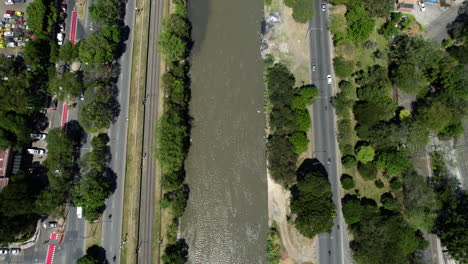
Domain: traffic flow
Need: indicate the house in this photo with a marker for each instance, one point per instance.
(5, 166)
(407, 6)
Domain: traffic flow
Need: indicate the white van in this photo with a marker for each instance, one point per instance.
(79, 212)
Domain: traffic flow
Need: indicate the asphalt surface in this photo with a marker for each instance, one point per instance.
(112, 217)
(150, 101)
(333, 247)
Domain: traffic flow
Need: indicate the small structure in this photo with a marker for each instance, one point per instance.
(407, 6)
(5, 165)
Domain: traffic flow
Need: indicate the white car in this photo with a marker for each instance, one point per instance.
(50, 224)
(329, 79)
(314, 68)
(324, 7)
(38, 136)
(36, 151)
(3, 251)
(15, 251)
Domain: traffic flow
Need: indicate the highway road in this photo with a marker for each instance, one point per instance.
(112, 217)
(148, 177)
(334, 246)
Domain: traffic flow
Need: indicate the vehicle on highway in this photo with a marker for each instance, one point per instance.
(314, 68)
(79, 212)
(38, 136)
(15, 251)
(324, 7)
(329, 79)
(36, 151)
(3, 251)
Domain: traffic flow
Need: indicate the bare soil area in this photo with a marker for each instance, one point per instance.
(295, 247)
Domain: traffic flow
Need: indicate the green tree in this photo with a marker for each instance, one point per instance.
(97, 49)
(304, 96)
(347, 182)
(360, 24)
(69, 52)
(365, 154)
(37, 11)
(343, 68)
(176, 253)
(369, 113)
(368, 171)
(281, 160)
(389, 202)
(408, 77)
(349, 162)
(395, 184)
(91, 193)
(97, 112)
(86, 259)
(300, 142)
(303, 10)
(172, 47)
(273, 245)
(65, 85)
(393, 161)
(106, 12)
(312, 204)
(303, 120)
(379, 8)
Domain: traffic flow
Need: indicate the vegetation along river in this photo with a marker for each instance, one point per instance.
(226, 217)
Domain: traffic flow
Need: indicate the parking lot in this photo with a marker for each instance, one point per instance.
(13, 26)
(435, 19)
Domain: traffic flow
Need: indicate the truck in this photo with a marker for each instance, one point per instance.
(79, 212)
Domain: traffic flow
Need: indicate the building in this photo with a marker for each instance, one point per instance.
(5, 166)
(407, 5)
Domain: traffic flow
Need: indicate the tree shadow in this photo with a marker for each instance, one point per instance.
(111, 177)
(311, 165)
(98, 253)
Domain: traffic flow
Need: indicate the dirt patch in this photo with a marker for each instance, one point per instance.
(287, 41)
(295, 247)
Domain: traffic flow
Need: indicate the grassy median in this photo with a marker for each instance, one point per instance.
(135, 134)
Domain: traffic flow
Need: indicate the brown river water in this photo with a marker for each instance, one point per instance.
(226, 217)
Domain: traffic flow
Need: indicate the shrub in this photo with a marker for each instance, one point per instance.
(395, 184)
(365, 154)
(347, 182)
(379, 184)
(343, 68)
(389, 203)
(349, 161)
(299, 141)
(368, 171)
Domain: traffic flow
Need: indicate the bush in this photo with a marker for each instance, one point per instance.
(393, 161)
(379, 184)
(349, 161)
(303, 120)
(389, 203)
(368, 171)
(343, 69)
(347, 89)
(347, 182)
(395, 184)
(299, 141)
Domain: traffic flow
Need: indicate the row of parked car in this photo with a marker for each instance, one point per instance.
(14, 251)
(63, 15)
(37, 151)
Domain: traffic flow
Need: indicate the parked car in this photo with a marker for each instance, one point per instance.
(52, 224)
(36, 151)
(64, 8)
(19, 13)
(329, 79)
(38, 136)
(3, 251)
(314, 68)
(9, 2)
(15, 251)
(324, 7)
(10, 12)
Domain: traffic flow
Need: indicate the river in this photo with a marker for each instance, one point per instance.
(226, 217)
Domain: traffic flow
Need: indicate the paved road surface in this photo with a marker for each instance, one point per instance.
(331, 245)
(112, 230)
(148, 177)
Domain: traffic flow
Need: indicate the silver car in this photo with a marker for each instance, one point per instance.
(329, 79)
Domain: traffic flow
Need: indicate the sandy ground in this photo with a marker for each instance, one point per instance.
(298, 249)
